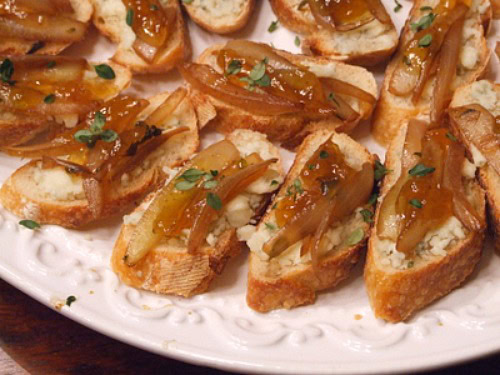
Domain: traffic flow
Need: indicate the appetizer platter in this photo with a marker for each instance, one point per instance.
(202, 179)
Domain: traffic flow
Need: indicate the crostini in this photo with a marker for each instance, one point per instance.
(442, 47)
(220, 16)
(429, 224)
(285, 96)
(103, 165)
(316, 228)
(45, 92)
(150, 34)
(180, 238)
(44, 27)
(359, 32)
(475, 119)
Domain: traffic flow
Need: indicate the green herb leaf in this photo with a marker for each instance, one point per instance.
(130, 17)
(51, 64)
(373, 199)
(6, 71)
(355, 237)
(323, 154)
(214, 172)
(367, 215)
(49, 99)
(234, 67)
(274, 182)
(187, 1)
(302, 4)
(423, 23)
(380, 170)
(153, 7)
(297, 41)
(214, 201)
(108, 135)
(298, 186)
(184, 185)
(264, 81)
(210, 184)
(270, 226)
(425, 41)
(30, 224)
(398, 6)
(84, 136)
(70, 300)
(99, 121)
(421, 170)
(410, 264)
(416, 203)
(104, 71)
(258, 71)
(451, 137)
(311, 167)
(425, 8)
(192, 175)
(273, 26)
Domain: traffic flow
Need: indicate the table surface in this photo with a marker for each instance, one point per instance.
(37, 340)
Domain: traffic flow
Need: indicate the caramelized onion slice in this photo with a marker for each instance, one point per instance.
(344, 88)
(51, 69)
(169, 203)
(386, 225)
(478, 126)
(354, 193)
(163, 112)
(379, 11)
(208, 81)
(448, 58)
(258, 52)
(327, 17)
(145, 50)
(226, 190)
(51, 29)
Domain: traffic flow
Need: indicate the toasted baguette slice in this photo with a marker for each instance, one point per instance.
(53, 196)
(290, 128)
(392, 112)
(169, 268)
(289, 280)
(397, 287)
(487, 94)
(17, 128)
(82, 12)
(367, 45)
(110, 17)
(220, 16)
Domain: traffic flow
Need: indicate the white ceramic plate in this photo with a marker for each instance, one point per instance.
(338, 334)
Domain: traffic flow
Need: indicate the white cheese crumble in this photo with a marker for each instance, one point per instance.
(477, 157)
(58, 184)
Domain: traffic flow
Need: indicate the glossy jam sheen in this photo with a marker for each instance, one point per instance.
(38, 7)
(344, 12)
(149, 21)
(294, 84)
(324, 172)
(437, 201)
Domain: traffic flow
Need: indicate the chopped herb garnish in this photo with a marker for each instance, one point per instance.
(51, 64)
(214, 172)
(355, 237)
(153, 7)
(210, 184)
(302, 4)
(425, 8)
(311, 167)
(451, 137)
(410, 264)
(423, 23)
(425, 41)
(95, 132)
(398, 6)
(187, 1)
(192, 175)
(273, 26)
(274, 182)
(234, 67)
(214, 201)
(416, 203)
(70, 300)
(373, 199)
(257, 76)
(6, 71)
(49, 99)
(323, 154)
(380, 170)
(298, 186)
(421, 170)
(184, 185)
(130, 17)
(297, 41)
(367, 215)
(331, 97)
(294, 189)
(30, 224)
(270, 226)
(104, 71)
(274, 206)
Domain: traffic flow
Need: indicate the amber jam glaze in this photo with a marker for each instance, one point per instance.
(344, 12)
(435, 199)
(322, 175)
(194, 198)
(38, 7)
(297, 85)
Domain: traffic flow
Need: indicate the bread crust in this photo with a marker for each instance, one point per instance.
(297, 285)
(395, 295)
(83, 13)
(19, 194)
(392, 112)
(205, 19)
(290, 128)
(318, 41)
(177, 49)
